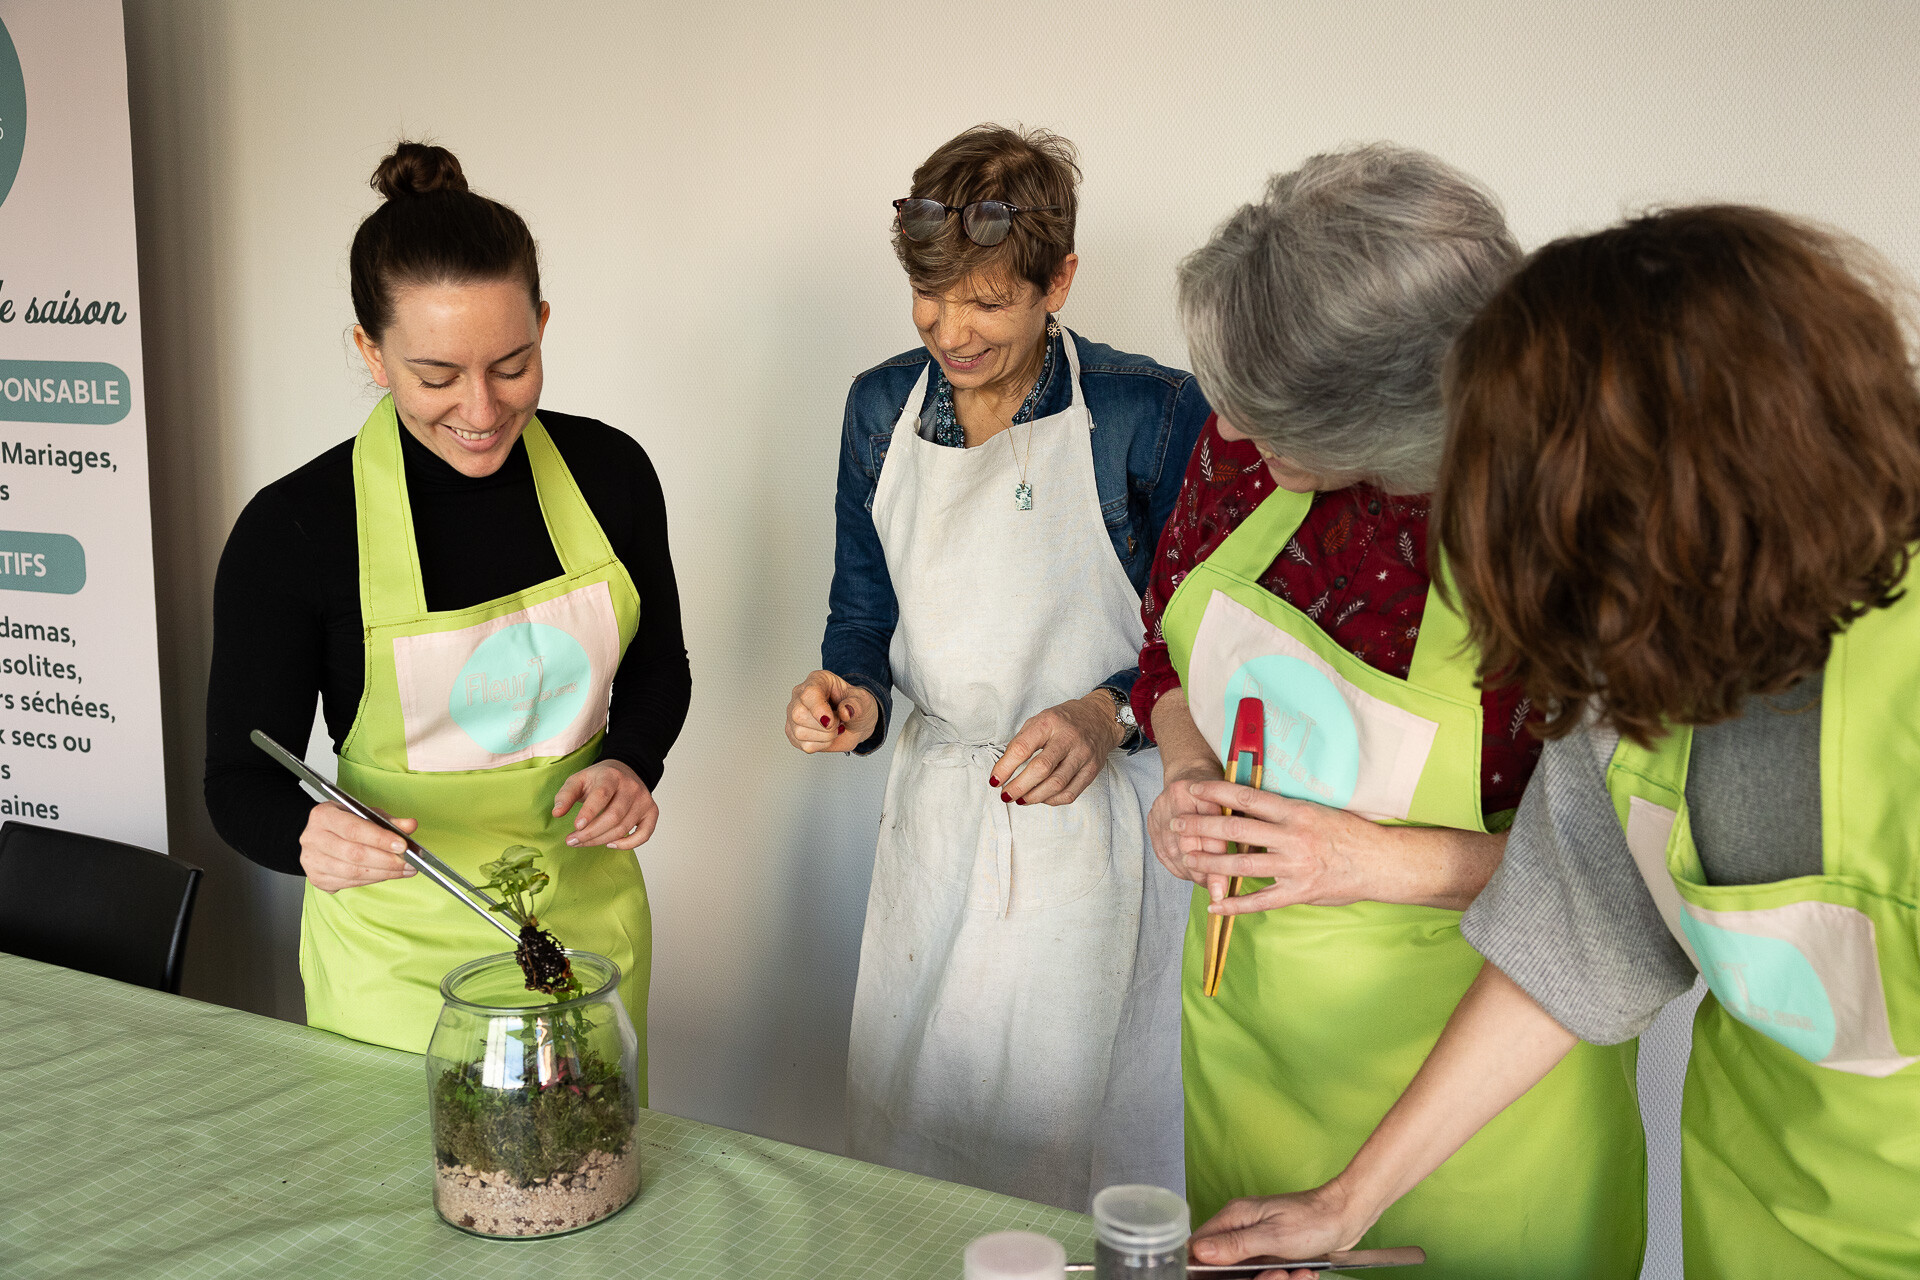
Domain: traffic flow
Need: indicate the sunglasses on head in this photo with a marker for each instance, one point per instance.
(985, 222)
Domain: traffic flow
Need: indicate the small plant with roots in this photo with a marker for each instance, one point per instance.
(515, 879)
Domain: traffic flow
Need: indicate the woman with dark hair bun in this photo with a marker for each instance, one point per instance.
(1681, 498)
(481, 597)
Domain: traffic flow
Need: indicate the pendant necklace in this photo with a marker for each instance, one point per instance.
(1023, 492)
(948, 431)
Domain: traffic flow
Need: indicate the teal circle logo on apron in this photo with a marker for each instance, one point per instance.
(1767, 983)
(1312, 746)
(521, 686)
(13, 113)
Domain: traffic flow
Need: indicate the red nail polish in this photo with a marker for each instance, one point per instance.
(993, 782)
(1019, 801)
(825, 723)
(1005, 798)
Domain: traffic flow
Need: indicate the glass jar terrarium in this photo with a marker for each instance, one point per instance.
(534, 1101)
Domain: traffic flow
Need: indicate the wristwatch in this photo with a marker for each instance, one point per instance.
(1130, 735)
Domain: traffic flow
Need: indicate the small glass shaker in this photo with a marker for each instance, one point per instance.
(1016, 1255)
(1140, 1233)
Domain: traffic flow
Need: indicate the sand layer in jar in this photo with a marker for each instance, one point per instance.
(492, 1204)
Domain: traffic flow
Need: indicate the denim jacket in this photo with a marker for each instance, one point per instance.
(1146, 419)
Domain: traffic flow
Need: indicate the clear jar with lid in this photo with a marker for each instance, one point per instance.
(1140, 1233)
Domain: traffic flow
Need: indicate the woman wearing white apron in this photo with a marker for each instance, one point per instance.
(988, 570)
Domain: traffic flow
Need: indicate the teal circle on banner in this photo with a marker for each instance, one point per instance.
(523, 684)
(1767, 983)
(1312, 747)
(13, 113)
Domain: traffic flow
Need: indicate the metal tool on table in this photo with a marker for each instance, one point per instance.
(427, 864)
(1338, 1260)
(1244, 759)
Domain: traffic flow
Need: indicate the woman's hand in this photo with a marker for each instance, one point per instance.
(1187, 758)
(1305, 1224)
(1497, 1045)
(616, 808)
(1329, 857)
(827, 713)
(1312, 853)
(341, 851)
(1062, 748)
(1177, 800)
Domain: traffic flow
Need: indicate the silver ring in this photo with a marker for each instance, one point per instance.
(634, 829)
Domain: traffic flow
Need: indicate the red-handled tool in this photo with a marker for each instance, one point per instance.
(1243, 766)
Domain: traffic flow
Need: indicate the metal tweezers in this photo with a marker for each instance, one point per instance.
(430, 866)
(1343, 1259)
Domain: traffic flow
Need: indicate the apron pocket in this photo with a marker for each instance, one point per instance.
(950, 828)
(1060, 852)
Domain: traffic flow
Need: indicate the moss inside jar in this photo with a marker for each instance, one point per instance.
(532, 1078)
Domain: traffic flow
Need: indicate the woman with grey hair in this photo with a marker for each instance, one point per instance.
(1295, 632)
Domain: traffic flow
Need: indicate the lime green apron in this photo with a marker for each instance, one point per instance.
(1324, 1014)
(1800, 1123)
(470, 723)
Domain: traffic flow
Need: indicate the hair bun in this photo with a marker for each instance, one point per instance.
(415, 168)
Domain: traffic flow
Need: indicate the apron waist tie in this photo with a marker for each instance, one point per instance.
(999, 818)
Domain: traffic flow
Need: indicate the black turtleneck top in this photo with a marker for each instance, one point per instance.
(286, 609)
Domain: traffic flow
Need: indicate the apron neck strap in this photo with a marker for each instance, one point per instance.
(578, 540)
(916, 400)
(389, 558)
(1072, 346)
(391, 587)
(1442, 660)
(1250, 549)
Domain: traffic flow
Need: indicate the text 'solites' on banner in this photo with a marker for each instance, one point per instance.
(79, 677)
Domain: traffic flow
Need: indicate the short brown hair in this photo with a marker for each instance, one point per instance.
(1684, 453)
(1028, 168)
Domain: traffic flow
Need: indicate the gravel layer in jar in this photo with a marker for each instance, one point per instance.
(492, 1203)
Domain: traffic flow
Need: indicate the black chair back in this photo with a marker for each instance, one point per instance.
(96, 905)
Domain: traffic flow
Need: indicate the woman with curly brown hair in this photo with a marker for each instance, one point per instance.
(1681, 497)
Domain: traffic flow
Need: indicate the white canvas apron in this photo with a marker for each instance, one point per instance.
(1001, 940)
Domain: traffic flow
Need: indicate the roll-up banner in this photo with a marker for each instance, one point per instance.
(79, 672)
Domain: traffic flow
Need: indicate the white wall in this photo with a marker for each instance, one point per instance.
(710, 184)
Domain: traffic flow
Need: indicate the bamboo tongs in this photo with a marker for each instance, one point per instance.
(429, 866)
(1249, 744)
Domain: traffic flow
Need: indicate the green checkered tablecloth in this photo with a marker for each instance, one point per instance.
(144, 1135)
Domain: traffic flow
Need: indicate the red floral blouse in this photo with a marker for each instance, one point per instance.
(1357, 566)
